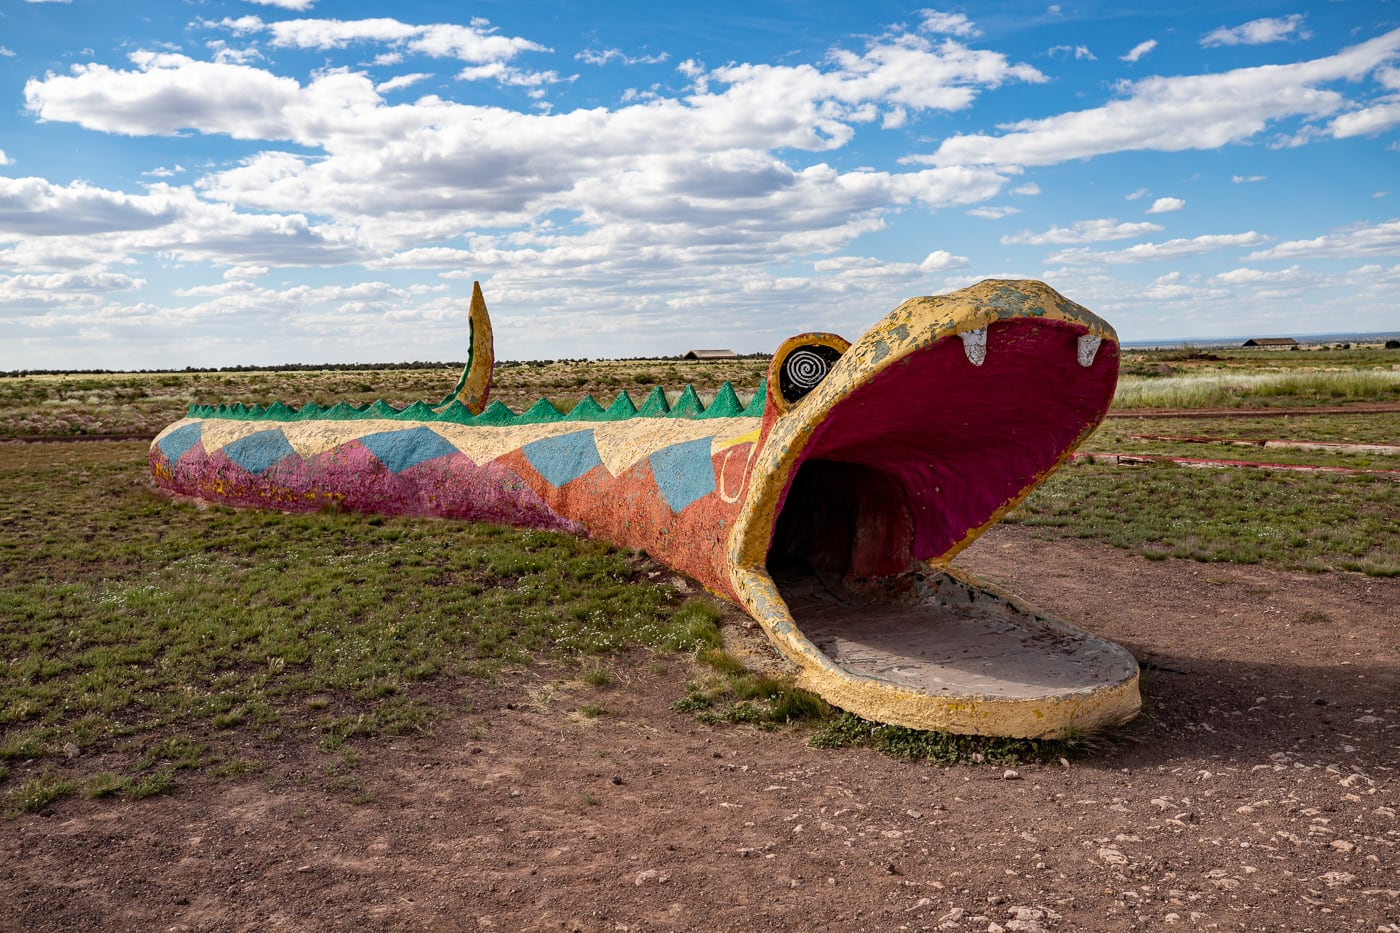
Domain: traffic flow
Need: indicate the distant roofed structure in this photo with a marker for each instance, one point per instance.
(710, 355)
(1271, 342)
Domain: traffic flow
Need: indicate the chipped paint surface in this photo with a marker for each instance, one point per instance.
(869, 465)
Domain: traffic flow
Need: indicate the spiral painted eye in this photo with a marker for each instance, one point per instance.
(804, 368)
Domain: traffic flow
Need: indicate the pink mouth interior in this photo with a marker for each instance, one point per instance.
(933, 447)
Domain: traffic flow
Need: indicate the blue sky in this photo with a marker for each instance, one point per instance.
(214, 182)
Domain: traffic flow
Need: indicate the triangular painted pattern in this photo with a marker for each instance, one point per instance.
(178, 442)
(400, 449)
(260, 452)
(684, 472)
(564, 458)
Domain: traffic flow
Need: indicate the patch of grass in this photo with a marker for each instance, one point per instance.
(1238, 389)
(104, 784)
(159, 784)
(728, 691)
(597, 675)
(1372, 427)
(848, 730)
(38, 792)
(1303, 521)
(169, 633)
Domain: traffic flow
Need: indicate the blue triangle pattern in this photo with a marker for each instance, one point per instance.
(684, 472)
(563, 458)
(399, 450)
(178, 442)
(260, 452)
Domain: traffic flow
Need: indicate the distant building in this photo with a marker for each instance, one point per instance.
(1271, 342)
(710, 355)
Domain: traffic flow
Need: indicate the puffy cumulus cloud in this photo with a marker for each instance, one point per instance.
(77, 225)
(951, 24)
(1166, 206)
(1084, 231)
(458, 167)
(167, 93)
(1172, 114)
(1354, 242)
(1368, 120)
(1158, 252)
(37, 207)
(477, 42)
(64, 287)
(1274, 284)
(496, 162)
(1259, 32)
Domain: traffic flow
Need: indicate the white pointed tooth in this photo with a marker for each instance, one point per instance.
(1088, 348)
(975, 345)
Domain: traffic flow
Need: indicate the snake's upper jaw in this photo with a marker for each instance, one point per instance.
(938, 420)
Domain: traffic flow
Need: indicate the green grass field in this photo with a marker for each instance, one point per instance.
(148, 638)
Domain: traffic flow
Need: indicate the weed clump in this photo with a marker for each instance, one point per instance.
(848, 730)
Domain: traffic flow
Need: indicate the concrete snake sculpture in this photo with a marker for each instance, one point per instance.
(828, 507)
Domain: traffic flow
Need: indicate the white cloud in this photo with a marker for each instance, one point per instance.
(62, 226)
(605, 56)
(169, 93)
(1368, 121)
(1137, 195)
(1079, 52)
(951, 24)
(297, 5)
(399, 82)
(1360, 241)
(1138, 51)
(439, 40)
(941, 260)
(1159, 252)
(35, 207)
(23, 288)
(1166, 205)
(1259, 32)
(1276, 280)
(1084, 231)
(1172, 114)
(6, 53)
(1246, 179)
(993, 213)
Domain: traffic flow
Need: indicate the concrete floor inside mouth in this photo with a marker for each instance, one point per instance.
(918, 639)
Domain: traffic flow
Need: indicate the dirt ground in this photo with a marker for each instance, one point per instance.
(1259, 791)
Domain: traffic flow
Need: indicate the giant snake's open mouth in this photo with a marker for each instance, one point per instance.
(923, 434)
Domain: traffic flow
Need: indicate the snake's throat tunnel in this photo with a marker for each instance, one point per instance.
(903, 468)
(933, 449)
